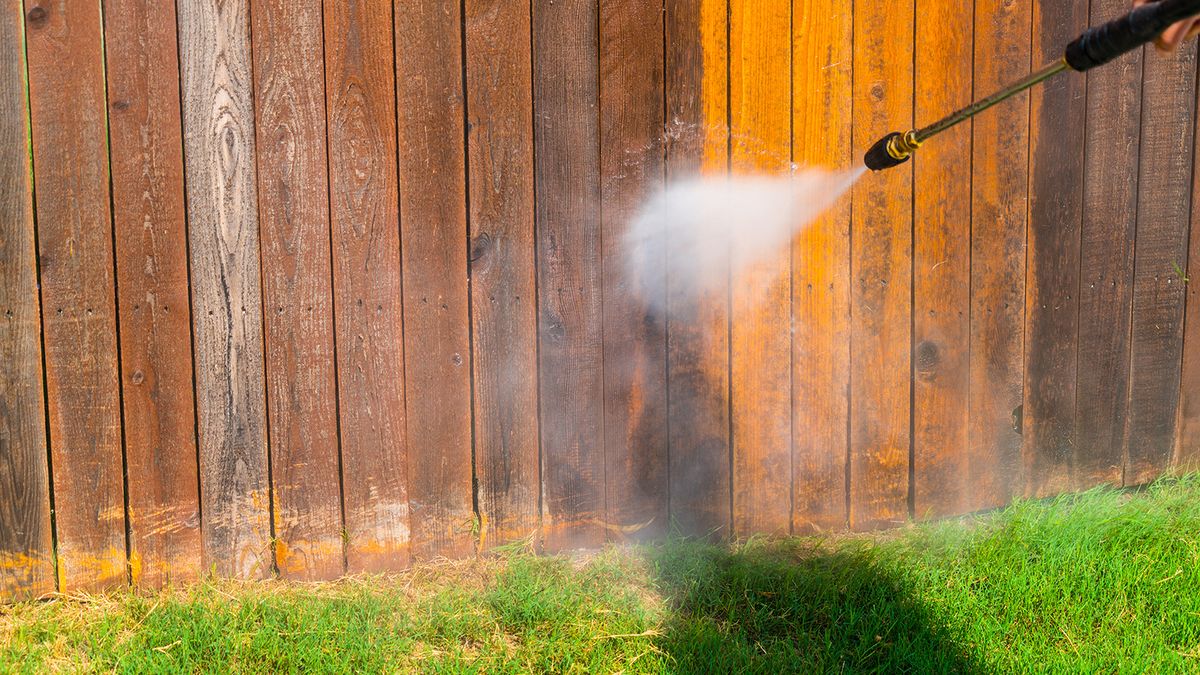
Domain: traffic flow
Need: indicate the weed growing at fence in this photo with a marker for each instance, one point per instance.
(1096, 582)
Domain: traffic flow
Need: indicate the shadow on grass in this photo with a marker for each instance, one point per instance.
(792, 607)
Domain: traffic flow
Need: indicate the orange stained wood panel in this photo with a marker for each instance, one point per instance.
(881, 271)
(999, 184)
(223, 228)
(502, 265)
(822, 58)
(293, 208)
(360, 108)
(635, 338)
(150, 217)
(433, 222)
(79, 320)
(697, 136)
(26, 541)
(941, 268)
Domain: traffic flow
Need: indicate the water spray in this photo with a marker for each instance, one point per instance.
(1095, 47)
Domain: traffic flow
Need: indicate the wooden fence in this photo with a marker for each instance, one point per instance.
(309, 288)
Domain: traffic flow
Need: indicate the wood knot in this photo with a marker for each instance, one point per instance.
(877, 91)
(480, 246)
(457, 359)
(37, 17)
(138, 377)
(927, 357)
(120, 105)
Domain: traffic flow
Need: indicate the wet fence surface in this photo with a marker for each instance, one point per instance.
(304, 288)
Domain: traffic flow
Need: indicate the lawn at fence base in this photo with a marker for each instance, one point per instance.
(1086, 583)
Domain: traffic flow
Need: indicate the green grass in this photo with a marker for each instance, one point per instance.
(1100, 582)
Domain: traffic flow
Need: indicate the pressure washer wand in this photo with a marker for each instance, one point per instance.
(1096, 47)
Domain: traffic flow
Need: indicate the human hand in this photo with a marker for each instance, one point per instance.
(1172, 37)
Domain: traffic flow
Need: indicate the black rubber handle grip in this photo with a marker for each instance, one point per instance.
(1097, 46)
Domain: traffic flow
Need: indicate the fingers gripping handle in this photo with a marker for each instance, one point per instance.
(1101, 44)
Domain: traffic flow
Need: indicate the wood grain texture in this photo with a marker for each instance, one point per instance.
(697, 90)
(1163, 217)
(881, 272)
(26, 542)
(570, 322)
(1187, 436)
(1114, 117)
(149, 214)
(942, 262)
(503, 276)
(760, 338)
(822, 57)
(1056, 138)
(79, 323)
(218, 127)
(999, 185)
(361, 112)
(635, 339)
(293, 210)
(433, 221)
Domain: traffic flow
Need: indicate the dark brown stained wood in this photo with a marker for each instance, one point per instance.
(1187, 435)
(760, 336)
(822, 58)
(942, 262)
(293, 209)
(218, 128)
(881, 271)
(1114, 117)
(999, 184)
(567, 179)
(79, 323)
(149, 215)
(433, 221)
(1056, 138)
(1164, 210)
(26, 545)
(698, 327)
(503, 278)
(361, 112)
(635, 345)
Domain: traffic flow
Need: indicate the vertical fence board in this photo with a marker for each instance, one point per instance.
(1056, 138)
(26, 546)
(822, 34)
(698, 327)
(760, 338)
(293, 209)
(429, 91)
(1187, 434)
(635, 347)
(70, 159)
(942, 262)
(881, 272)
(566, 169)
(218, 125)
(1164, 207)
(999, 185)
(152, 280)
(361, 114)
(503, 277)
(1106, 261)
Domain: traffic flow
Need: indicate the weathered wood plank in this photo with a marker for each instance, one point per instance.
(942, 262)
(79, 323)
(881, 272)
(760, 338)
(1187, 436)
(503, 276)
(150, 218)
(999, 186)
(1163, 218)
(635, 345)
(361, 112)
(567, 179)
(1114, 118)
(218, 128)
(822, 35)
(697, 91)
(293, 210)
(26, 542)
(1056, 149)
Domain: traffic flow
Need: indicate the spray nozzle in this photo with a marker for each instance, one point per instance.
(891, 150)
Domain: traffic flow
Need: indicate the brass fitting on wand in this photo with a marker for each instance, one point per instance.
(902, 146)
